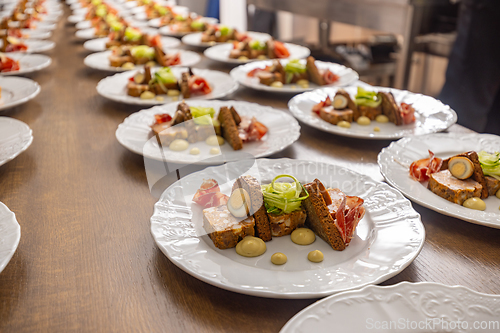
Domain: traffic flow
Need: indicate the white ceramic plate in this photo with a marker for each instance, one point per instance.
(35, 34)
(10, 234)
(194, 39)
(41, 26)
(99, 44)
(100, 60)
(384, 242)
(346, 76)
(221, 53)
(431, 115)
(114, 87)
(28, 63)
(405, 307)
(86, 34)
(444, 145)
(135, 134)
(169, 30)
(85, 24)
(17, 90)
(76, 18)
(15, 137)
(36, 45)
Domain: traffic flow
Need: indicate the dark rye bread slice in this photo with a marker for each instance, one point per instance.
(252, 186)
(492, 184)
(478, 174)
(390, 108)
(319, 218)
(229, 128)
(314, 74)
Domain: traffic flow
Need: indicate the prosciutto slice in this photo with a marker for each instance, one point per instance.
(346, 211)
(209, 194)
(421, 170)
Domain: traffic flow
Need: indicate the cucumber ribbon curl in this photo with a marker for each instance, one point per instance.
(283, 198)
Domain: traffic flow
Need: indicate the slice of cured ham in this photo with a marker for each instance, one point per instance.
(209, 194)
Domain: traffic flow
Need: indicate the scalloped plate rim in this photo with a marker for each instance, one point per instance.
(289, 326)
(294, 295)
(425, 203)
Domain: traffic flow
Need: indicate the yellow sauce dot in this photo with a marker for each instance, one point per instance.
(262, 57)
(194, 151)
(303, 83)
(344, 124)
(179, 145)
(243, 58)
(498, 194)
(214, 151)
(315, 256)
(363, 121)
(376, 129)
(160, 98)
(277, 84)
(278, 258)
(475, 203)
(214, 140)
(303, 236)
(173, 92)
(251, 247)
(382, 118)
(147, 95)
(128, 65)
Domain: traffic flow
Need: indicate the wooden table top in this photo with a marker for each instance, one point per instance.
(87, 262)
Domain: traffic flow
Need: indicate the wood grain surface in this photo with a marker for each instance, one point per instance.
(87, 262)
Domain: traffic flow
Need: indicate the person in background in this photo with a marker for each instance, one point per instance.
(213, 9)
(472, 86)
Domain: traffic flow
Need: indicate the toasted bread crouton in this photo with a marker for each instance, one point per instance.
(252, 186)
(229, 128)
(314, 74)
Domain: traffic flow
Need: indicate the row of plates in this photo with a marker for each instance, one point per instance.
(15, 135)
(385, 243)
(36, 42)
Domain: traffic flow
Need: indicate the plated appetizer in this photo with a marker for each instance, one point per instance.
(124, 35)
(383, 243)
(255, 49)
(293, 72)
(129, 56)
(464, 179)
(263, 131)
(364, 108)
(411, 155)
(275, 210)
(223, 34)
(360, 111)
(16, 33)
(191, 124)
(12, 44)
(22, 63)
(8, 64)
(187, 24)
(147, 85)
(154, 10)
(167, 84)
